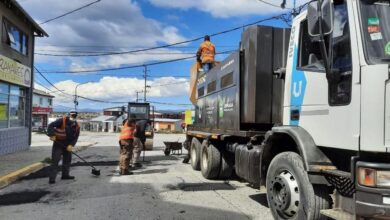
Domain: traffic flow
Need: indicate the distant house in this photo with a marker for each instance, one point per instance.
(167, 124)
(42, 108)
(110, 121)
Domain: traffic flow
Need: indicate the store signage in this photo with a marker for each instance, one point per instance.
(14, 72)
(42, 110)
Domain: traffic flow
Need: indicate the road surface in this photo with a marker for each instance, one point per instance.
(164, 188)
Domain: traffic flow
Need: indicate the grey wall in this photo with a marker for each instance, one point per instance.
(13, 140)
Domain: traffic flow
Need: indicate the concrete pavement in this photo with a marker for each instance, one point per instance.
(164, 188)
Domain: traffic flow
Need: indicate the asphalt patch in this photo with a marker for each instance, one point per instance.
(96, 163)
(42, 173)
(23, 197)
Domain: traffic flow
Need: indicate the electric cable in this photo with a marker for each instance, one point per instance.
(173, 44)
(70, 12)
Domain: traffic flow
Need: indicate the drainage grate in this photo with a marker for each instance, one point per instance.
(16, 198)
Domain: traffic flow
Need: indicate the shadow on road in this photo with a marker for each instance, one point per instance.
(200, 186)
(260, 198)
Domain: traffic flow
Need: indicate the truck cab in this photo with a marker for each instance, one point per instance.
(340, 95)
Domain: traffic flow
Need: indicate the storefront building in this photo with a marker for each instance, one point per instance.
(42, 108)
(18, 31)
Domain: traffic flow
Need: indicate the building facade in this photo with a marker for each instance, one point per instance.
(42, 107)
(18, 31)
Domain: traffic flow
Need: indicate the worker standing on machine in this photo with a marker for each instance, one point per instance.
(126, 139)
(139, 141)
(64, 132)
(206, 53)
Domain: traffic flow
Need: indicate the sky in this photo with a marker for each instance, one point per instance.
(125, 25)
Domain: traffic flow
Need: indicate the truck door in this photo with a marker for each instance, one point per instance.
(375, 106)
(328, 110)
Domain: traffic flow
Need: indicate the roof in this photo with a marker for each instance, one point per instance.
(14, 4)
(167, 120)
(43, 93)
(103, 118)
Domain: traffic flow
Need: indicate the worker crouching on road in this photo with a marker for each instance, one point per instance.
(64, 132)
(206, 53)
(139, 141)
(126, 139)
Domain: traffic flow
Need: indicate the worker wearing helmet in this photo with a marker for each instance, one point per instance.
(206, 53)
(126, 139)
(64, 132)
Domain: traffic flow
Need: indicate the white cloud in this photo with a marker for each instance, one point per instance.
(119, 24)
(122, 88)
(226, 8)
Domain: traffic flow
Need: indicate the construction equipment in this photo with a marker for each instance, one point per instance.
(304, 112)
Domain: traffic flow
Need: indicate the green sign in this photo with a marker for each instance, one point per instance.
(387, 48)
(373, 21)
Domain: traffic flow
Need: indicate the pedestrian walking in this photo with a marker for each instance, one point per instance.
(126, 139)
(64, 132)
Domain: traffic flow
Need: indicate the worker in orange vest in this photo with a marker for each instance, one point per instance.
(64, 132)
(206, 53)
(126, 139)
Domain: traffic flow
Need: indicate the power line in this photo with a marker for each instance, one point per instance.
(174, 44)
(127, 67)
(166, 103)
(168, 84)
(70, 12)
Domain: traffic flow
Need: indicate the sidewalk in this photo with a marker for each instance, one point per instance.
(29, 161)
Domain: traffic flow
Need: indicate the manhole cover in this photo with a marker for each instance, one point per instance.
(16, 198)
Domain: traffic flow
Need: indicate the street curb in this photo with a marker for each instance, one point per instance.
(14, 176)
(9, 178)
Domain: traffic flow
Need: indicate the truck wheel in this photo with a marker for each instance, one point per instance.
(227, 165)
(210, 161)
(195, 154)
(290, 195)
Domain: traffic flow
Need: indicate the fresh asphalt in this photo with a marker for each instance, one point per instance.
(164, 188)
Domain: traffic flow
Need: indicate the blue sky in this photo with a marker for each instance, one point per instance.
(123, 25)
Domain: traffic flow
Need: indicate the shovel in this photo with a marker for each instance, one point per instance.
(94, 171)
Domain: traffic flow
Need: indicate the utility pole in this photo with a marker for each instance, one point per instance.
(145, 77)
(137, 92)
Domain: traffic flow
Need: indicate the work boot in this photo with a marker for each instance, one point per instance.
(125, 172)
(52, 181)
(67, 177)
(137, 165)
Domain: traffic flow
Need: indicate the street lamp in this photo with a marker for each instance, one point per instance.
(76, 103)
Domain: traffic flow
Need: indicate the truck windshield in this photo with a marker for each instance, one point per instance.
(375, 21)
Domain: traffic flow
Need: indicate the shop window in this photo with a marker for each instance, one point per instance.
(40, 101)
(12, 106)
(14, 37)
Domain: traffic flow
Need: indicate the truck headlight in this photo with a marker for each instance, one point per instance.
(383, 178)
(373, 178)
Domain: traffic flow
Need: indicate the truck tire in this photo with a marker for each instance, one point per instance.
(195, 154)
(210, 163)
(227, 165)
(290, 195)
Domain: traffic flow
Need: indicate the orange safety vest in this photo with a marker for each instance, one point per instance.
(207, 51)
(127, 132)
(60, 133)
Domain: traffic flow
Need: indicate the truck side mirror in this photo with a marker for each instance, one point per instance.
(320, 13)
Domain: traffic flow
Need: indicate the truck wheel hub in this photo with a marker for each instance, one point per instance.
(285, 194)
(205, 158)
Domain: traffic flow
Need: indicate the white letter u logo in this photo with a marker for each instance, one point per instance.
(295, 92)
